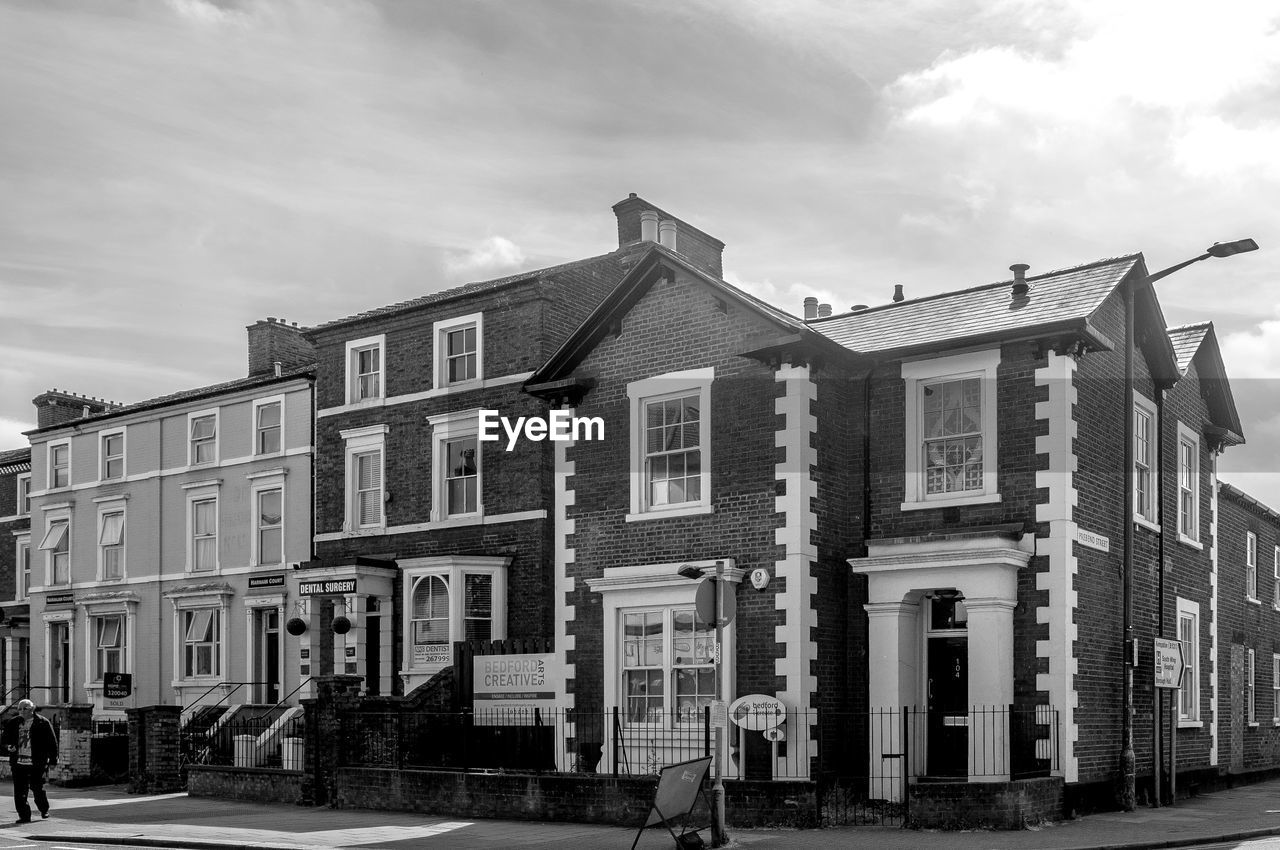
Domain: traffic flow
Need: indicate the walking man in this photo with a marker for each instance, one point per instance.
(32, 746)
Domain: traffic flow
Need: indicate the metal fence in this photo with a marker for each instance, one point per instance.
(863, 762)
(250, 737)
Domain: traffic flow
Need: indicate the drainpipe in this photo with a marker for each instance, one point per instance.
(866, 454)
(1157, 694)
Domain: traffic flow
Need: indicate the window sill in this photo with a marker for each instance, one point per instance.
(1253, 725)
(1190, 724)
(460, 386)
(1146, 523)
(361, 404)
(1252, 601)
(692, 510)
(958, 501)
(1190, 541)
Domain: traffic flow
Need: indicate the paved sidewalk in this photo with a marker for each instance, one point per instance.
(108, 814)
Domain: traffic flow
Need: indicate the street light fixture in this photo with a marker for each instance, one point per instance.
(718, 837)
(1128, 766)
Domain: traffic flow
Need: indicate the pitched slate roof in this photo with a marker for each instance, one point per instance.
(183, 395)
(13, 460)
(1186, 342)
(459, 291)
(648, 268)
(1054, 298)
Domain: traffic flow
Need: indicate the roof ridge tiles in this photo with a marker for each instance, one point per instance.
(953, 292)
(465, 289)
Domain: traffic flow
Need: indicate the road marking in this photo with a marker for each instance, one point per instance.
(87, 802)
(282, 840)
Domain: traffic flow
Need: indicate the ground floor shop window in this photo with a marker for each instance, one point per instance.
(668, 665)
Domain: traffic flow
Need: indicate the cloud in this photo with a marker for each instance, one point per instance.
(1254, 352)
(490, 257)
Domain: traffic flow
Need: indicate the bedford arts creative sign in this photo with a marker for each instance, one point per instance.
(331, 587)
(507, 688)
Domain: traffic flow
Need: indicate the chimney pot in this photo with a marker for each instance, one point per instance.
(858, 308)
(1020, 285)
(667, 234)
(649, 226)
(276, 365)
(897, 292)
(810, 308)
(824, 310)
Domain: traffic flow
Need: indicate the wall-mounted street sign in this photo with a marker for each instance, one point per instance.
(59, 599)
(1169, 663)
(1092, 540)
(705, 602)
(757, 712)
(330, 587)
(267, 581)
(117, 685)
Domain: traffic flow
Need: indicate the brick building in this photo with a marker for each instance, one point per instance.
(1248, 681)
(434, 534)
(15, 570)
(161, 532)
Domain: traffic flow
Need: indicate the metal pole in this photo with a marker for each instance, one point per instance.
(718, 836)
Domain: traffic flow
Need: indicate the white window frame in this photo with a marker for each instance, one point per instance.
(1275, 574)
(53, 470)
(198, 493)
(219, 600)
(1250, 686)
(656, 587)
(258, 405)
(360, 441)
(1189, 611)
(260, 486)
(23, 504)
(104, 459)
(1275, 689)
(453, 569)
(106, 509)
(671, 713)
(654, 389)
(1251, 567)
(1149, 462)
(95, 638)
(63, 517)
(192, 417)
(916, 375)
(1188, 487)
(353, 349)
(22, 568)
(440, 332)
(217, 624)
(447, 428)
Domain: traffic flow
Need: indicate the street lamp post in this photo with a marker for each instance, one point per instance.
(718, 836)
(1128, 793)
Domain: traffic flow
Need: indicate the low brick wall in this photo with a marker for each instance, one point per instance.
(985, 805)
(621, 801)
(257, 784)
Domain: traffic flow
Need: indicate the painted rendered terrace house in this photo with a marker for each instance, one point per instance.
(917, 509)
(160, 533)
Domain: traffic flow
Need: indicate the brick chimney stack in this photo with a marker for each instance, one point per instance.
(273, 341)
(640, 220)
(58, 406)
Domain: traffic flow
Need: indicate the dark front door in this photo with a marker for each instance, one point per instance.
(948, 706)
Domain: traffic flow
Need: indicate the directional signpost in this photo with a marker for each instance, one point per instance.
(1170, 666)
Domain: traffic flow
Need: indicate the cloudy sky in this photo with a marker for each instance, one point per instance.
(172, 171)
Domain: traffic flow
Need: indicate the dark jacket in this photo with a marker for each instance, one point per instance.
(44, 741)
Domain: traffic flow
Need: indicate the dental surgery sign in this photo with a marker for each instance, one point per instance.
(509, 690)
